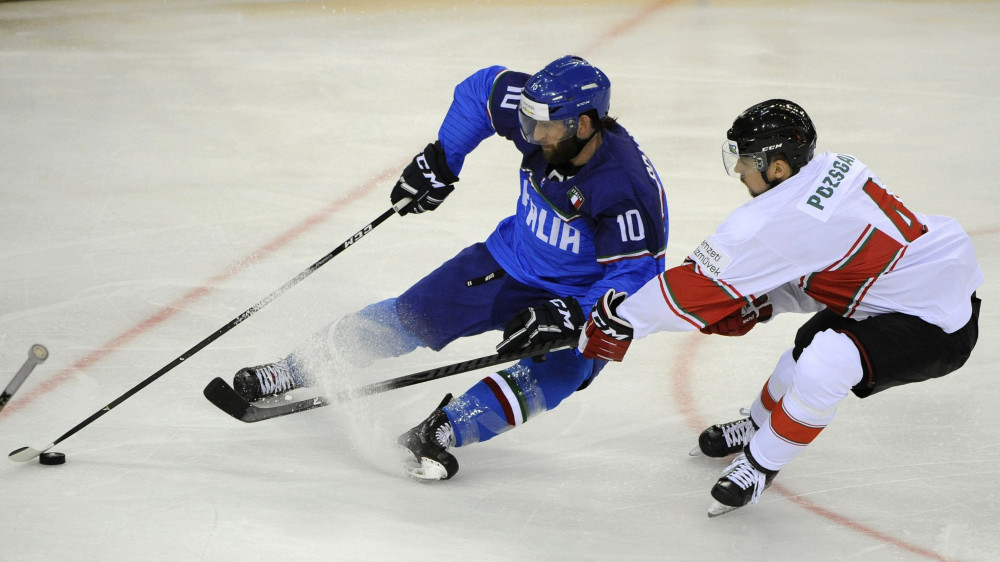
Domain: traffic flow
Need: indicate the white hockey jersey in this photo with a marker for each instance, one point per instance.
(831, 235)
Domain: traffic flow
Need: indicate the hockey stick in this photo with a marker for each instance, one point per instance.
(36, 355)
(229, 401)
(27, 453)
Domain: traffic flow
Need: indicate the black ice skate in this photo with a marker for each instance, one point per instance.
(263, 381)
(428, 444)
(725, 439)
(742, 483)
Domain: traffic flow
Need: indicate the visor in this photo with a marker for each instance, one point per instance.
(536, 126)
(751, 161)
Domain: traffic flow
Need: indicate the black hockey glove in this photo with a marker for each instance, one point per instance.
(425, 182)
(555, 320)
(607, 335)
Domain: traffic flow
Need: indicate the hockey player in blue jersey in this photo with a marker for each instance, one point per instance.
(591, 216)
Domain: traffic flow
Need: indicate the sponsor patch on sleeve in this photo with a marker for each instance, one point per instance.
(711, 261)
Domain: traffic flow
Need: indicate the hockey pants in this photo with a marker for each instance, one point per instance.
(467, 295)
(834, 356)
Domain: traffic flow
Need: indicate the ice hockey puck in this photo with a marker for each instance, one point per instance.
(52, 458)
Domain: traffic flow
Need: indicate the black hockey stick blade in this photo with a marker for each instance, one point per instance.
(228, 400)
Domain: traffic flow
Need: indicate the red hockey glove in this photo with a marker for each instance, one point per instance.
(606, 335)
(743, 320)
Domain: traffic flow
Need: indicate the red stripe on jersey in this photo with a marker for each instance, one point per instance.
(502, 399)
(857, 301)
(855, 248)
(696, 298)
(766, 399)
(790, 429)
(669, 299)
(841, 286)
(806, 281)
(724, 285)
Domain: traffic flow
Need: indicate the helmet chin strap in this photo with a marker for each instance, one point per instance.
(769, 183)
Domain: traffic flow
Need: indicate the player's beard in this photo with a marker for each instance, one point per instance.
(564, 150)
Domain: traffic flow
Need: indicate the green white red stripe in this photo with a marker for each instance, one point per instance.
(510, 395)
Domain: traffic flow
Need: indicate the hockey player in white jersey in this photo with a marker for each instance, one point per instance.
(892, 292)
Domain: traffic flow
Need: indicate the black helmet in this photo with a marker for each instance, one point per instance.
(767, 129)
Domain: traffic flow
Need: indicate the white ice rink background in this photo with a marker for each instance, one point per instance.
(166, 164)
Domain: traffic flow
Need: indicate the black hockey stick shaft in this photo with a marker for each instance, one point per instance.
(27, 453)
(453, 369)
(36, 355)
(228, 400)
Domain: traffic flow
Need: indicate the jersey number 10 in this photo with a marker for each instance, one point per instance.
(630, 225)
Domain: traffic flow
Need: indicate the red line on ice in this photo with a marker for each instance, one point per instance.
(681, 374)
(681, 371)
(185, 300)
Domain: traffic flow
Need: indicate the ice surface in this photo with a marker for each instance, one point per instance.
(166, 164)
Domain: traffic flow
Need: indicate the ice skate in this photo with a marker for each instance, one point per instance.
(725, 439)
(426, 447)
(263, 381)
(741, 484)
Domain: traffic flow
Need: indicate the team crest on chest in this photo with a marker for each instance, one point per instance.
(575, 197)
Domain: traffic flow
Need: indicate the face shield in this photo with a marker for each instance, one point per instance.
(538, 128)
(738, 164)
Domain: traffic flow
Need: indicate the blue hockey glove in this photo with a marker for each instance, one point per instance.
(426, 181)
(552, 321)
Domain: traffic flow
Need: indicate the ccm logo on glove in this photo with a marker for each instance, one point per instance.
(607, 335)
(552, 321)
(425, 181)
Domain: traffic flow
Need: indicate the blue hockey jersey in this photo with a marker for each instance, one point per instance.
(604, 227)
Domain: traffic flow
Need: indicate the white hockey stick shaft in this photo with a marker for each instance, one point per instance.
(36, 355)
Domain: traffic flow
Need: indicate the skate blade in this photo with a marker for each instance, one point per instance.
(427, 471)
(717, 509)
(696, 452)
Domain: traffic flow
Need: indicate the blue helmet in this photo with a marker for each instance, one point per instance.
(566, 88)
